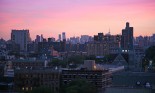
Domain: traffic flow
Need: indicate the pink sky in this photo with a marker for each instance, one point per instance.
(76, 17)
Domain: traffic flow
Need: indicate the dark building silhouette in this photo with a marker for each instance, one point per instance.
(45, 47)
(76, 47)
(32, 47)
(95, 37)
(21, 37)
(13, 47)
(127, 38)
(100, 37)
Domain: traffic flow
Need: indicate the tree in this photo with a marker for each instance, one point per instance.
(150, 54)
(76, 59)
(42, 89)
(57, 62)
(91, 57)
(79, 86)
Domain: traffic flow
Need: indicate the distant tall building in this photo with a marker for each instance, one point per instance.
(59, 37)
(74, 40)
(127, 38)
(63, 36)
(95, 37)
(21, 37)
(84, 38)
(52, 39)
(41, 38)
(100, 37)
(38, 39)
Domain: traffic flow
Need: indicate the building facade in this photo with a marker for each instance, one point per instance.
(27, 80)
(27, 64)
(104, 44)
(127, 38)
(100, 78)
(21, 37)
(98, 48)
(63, 36)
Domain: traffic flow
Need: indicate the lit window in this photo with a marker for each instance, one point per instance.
(23, 88)
(94, 66)
(27, 88)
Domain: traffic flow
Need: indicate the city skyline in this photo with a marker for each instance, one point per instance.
(85, 17)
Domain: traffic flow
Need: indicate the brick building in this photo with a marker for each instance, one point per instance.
(100, 78)
(26, 80)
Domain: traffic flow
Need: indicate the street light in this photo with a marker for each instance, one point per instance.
(150, 63)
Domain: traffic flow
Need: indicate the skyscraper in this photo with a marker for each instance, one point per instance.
(59, 37)
(63, 36)
(100, 37)
(38, 39)
(41, 38)
(21, 37)
(127, 38)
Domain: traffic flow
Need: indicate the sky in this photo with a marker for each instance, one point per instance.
(76, 17)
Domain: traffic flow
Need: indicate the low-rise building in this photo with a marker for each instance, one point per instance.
(100, 78)
(27, 79)
(27, 64)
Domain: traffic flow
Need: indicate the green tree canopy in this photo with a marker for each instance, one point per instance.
(77, 59)
(57, 62)
(150, 55)
(42, 89)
